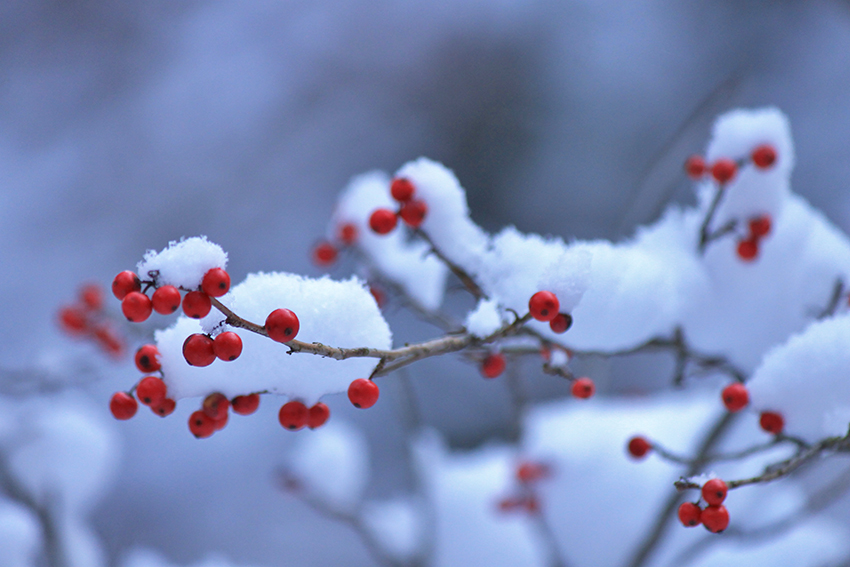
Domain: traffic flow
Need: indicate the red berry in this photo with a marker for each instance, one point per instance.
(136, 306)
(73, 320)
(735, 397)
(723, 170)
(583, 388)
(166, 300)
(639, 447)
(123, 405)
(215, 406)
(689, 514)
(151, 390)
(324, 253)
(318, 415)
(378, 295)
(760, 226)
(714, 492)
(222, 422)
(165, 407)
(216, 282)
(383, 221)
(363, 393)
(92, 297)
(402, 189)
(227, 346)
(695, 167)
(282, 325)
(748, 249)
(198, 350)
(413, 213)
(493, 365)
(348, 234)
(147, 359)
(714, 518)
(124, 283)
(201, 425)
(510, 504)
(196, 304)
(764, 156)
(532, 472)
(543, 305)
(772, 422)
(245, 405)
(107, 340)
(293, 415)
(561, 323)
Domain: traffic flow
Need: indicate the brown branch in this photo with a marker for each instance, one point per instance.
(834, 300)
(467, 280)
(722, 457)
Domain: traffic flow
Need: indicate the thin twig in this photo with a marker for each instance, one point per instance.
(467, 280)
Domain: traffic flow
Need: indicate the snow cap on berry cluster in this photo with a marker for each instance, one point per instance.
(183, 263)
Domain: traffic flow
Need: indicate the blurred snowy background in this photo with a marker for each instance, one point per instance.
(126, 125)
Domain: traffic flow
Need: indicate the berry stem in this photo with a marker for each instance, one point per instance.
(461, 274)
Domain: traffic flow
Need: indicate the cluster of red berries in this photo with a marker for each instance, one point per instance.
(759, 227)
(295, 415)
(723, 170)
(325, 252)
(736, 397)
(528, 475)
(86, 318)
(214, 412)
(714, 516)
(544, 306)
(412, 211)
(150, 390)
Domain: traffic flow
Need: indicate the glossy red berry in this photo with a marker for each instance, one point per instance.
(493, 365)
(318, 415)
(216, 405)
(227, 346)
(695, 167)
(164, 408)
(748, 249)
(735, 397)
(383, 221)
(715, 518)
(723, 170)
(527, 473)
(147, 359)
(198, 350)
(363, 393)
(201, 425)
(151, 390)
(348, 234)
(92, 297)
(216, 282)
(772, 422)
(245, 405)
(324, 253)
(402, 189)
(760, 226)
(282, 325)
(561, 323)
(136, 306)
(583, 388)
(196, 304)
(124, 283)
(413, 213)
(639, 447)
(544, 306)
(73, 320)
(166, 300)
(764, 156)
(293, 415)
(714, 491)
(123, 405)
(689, 514)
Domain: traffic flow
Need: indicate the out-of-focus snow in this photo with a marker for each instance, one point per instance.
(143, 557)
(396, 525)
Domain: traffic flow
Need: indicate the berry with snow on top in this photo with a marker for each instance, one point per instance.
(772, 422)
(136, 306)
(166, 300)
(735, 397)
(764, 156)
(123, 405)
(197, 304)
(282, 325)
(544, 305)
(124, 283)
(583, 388)
(363, 393)
(493, 365)
(227, 346)
(689, 514)
(198, 350)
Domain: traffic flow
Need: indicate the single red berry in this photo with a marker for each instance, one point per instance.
(123, 405)
(124, 283)
(197, 304)
(198, 350)
(383, 221)
(689, 514)
(493, 365)
(166, 300)
(293, 415)
(735, 397)
(510, 504)
(723, 170)
(695, 167)
(714, 491)
(245, 405)
(760, 226)
(764, 156)
(378, 295)
(227, 346)
(216, 282)
(136, 306)
(639, 447)
(221, 422)
(544, 305)
(715, 518)
(363, 393)
(413, 213)
(147, 359)
(108, 341)
(532, 472)
(73, 320)
(165, 407)
(748, 249)
(201, 425)
(772, 422)
(561, 323)
(318, 415)
(348, 234)
(282, 325)
(324, 253)
(216, 405)
(402, 189)
(583, 388)
(92, 297)
(151, 390)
